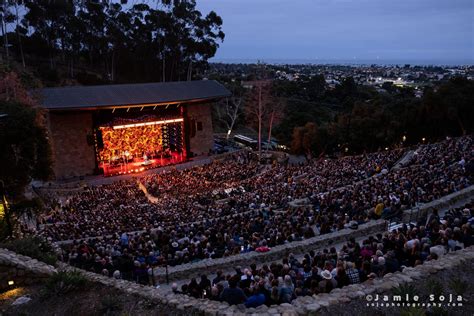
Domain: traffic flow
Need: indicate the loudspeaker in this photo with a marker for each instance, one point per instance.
(100, 141)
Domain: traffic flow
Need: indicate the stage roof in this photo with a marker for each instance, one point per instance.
(123, 95)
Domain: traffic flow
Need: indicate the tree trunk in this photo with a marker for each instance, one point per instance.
(172, 70)
(72, 66)
(270, 129)
(4, 34)
(190, 70)
(164, 69)
(63, 50)
(259, 122)
(19, 37)
(112, 70)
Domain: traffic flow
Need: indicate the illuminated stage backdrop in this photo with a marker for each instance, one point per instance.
(149, 144)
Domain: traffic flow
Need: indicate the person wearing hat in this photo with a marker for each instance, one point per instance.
(328, 283)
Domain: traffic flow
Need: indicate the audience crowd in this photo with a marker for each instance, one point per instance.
(237, 206)
(355, 262)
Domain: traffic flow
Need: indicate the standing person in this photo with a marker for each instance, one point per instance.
(286, 291)
(205, 285)
(233, 295)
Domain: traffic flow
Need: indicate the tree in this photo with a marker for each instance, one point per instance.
(230, 109)
(23, 138)
(259, 106)
(26, 152)
(7, 17)
(19, 32)
(305, 139)
(172, 41)
(275, 116)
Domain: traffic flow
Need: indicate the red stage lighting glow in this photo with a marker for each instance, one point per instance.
(131, 148)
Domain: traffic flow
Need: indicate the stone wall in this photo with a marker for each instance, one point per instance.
(187, 271)
(22, 270)
(73, 154)
(421, 273)
(178, 304)
(203, 140)
(445, 202)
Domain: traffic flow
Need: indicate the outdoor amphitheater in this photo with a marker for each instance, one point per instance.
(233, 235)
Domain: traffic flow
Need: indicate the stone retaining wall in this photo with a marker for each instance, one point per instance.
(22, 270)
(178, 304)
(390, 281)
(445, 202)
(187, 271)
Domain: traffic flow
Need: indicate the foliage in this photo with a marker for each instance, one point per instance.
(405, 290)
(136, 42)
(23, 139)
(459, 286)
(305, 139)
(65, 282)
(435, 287)
(361, 119)
(34, 247)
(25, 147)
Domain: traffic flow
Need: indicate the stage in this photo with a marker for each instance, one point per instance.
(141, 165)
(130, 144)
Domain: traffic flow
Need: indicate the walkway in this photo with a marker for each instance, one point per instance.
(150, 197)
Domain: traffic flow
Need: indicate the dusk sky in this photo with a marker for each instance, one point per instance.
(346, 29)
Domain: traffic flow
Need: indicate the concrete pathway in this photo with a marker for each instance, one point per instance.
(405, 160)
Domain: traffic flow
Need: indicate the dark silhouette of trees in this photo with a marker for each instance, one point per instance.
(25, 151)
(108, 41)
(353, 119)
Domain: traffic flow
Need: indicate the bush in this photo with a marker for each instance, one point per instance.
(405, 290)
(435, 287)
(65, 282)
(459, 286)
(34, 247)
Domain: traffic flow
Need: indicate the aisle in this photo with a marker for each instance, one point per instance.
(150, 197)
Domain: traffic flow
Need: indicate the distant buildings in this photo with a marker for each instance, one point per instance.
(371, 75)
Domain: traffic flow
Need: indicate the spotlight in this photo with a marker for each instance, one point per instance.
(11, 282)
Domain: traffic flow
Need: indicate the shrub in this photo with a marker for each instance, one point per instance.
(459, 286)
(406, 290)
(435, 287)
(65, 282)
(34, 247)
